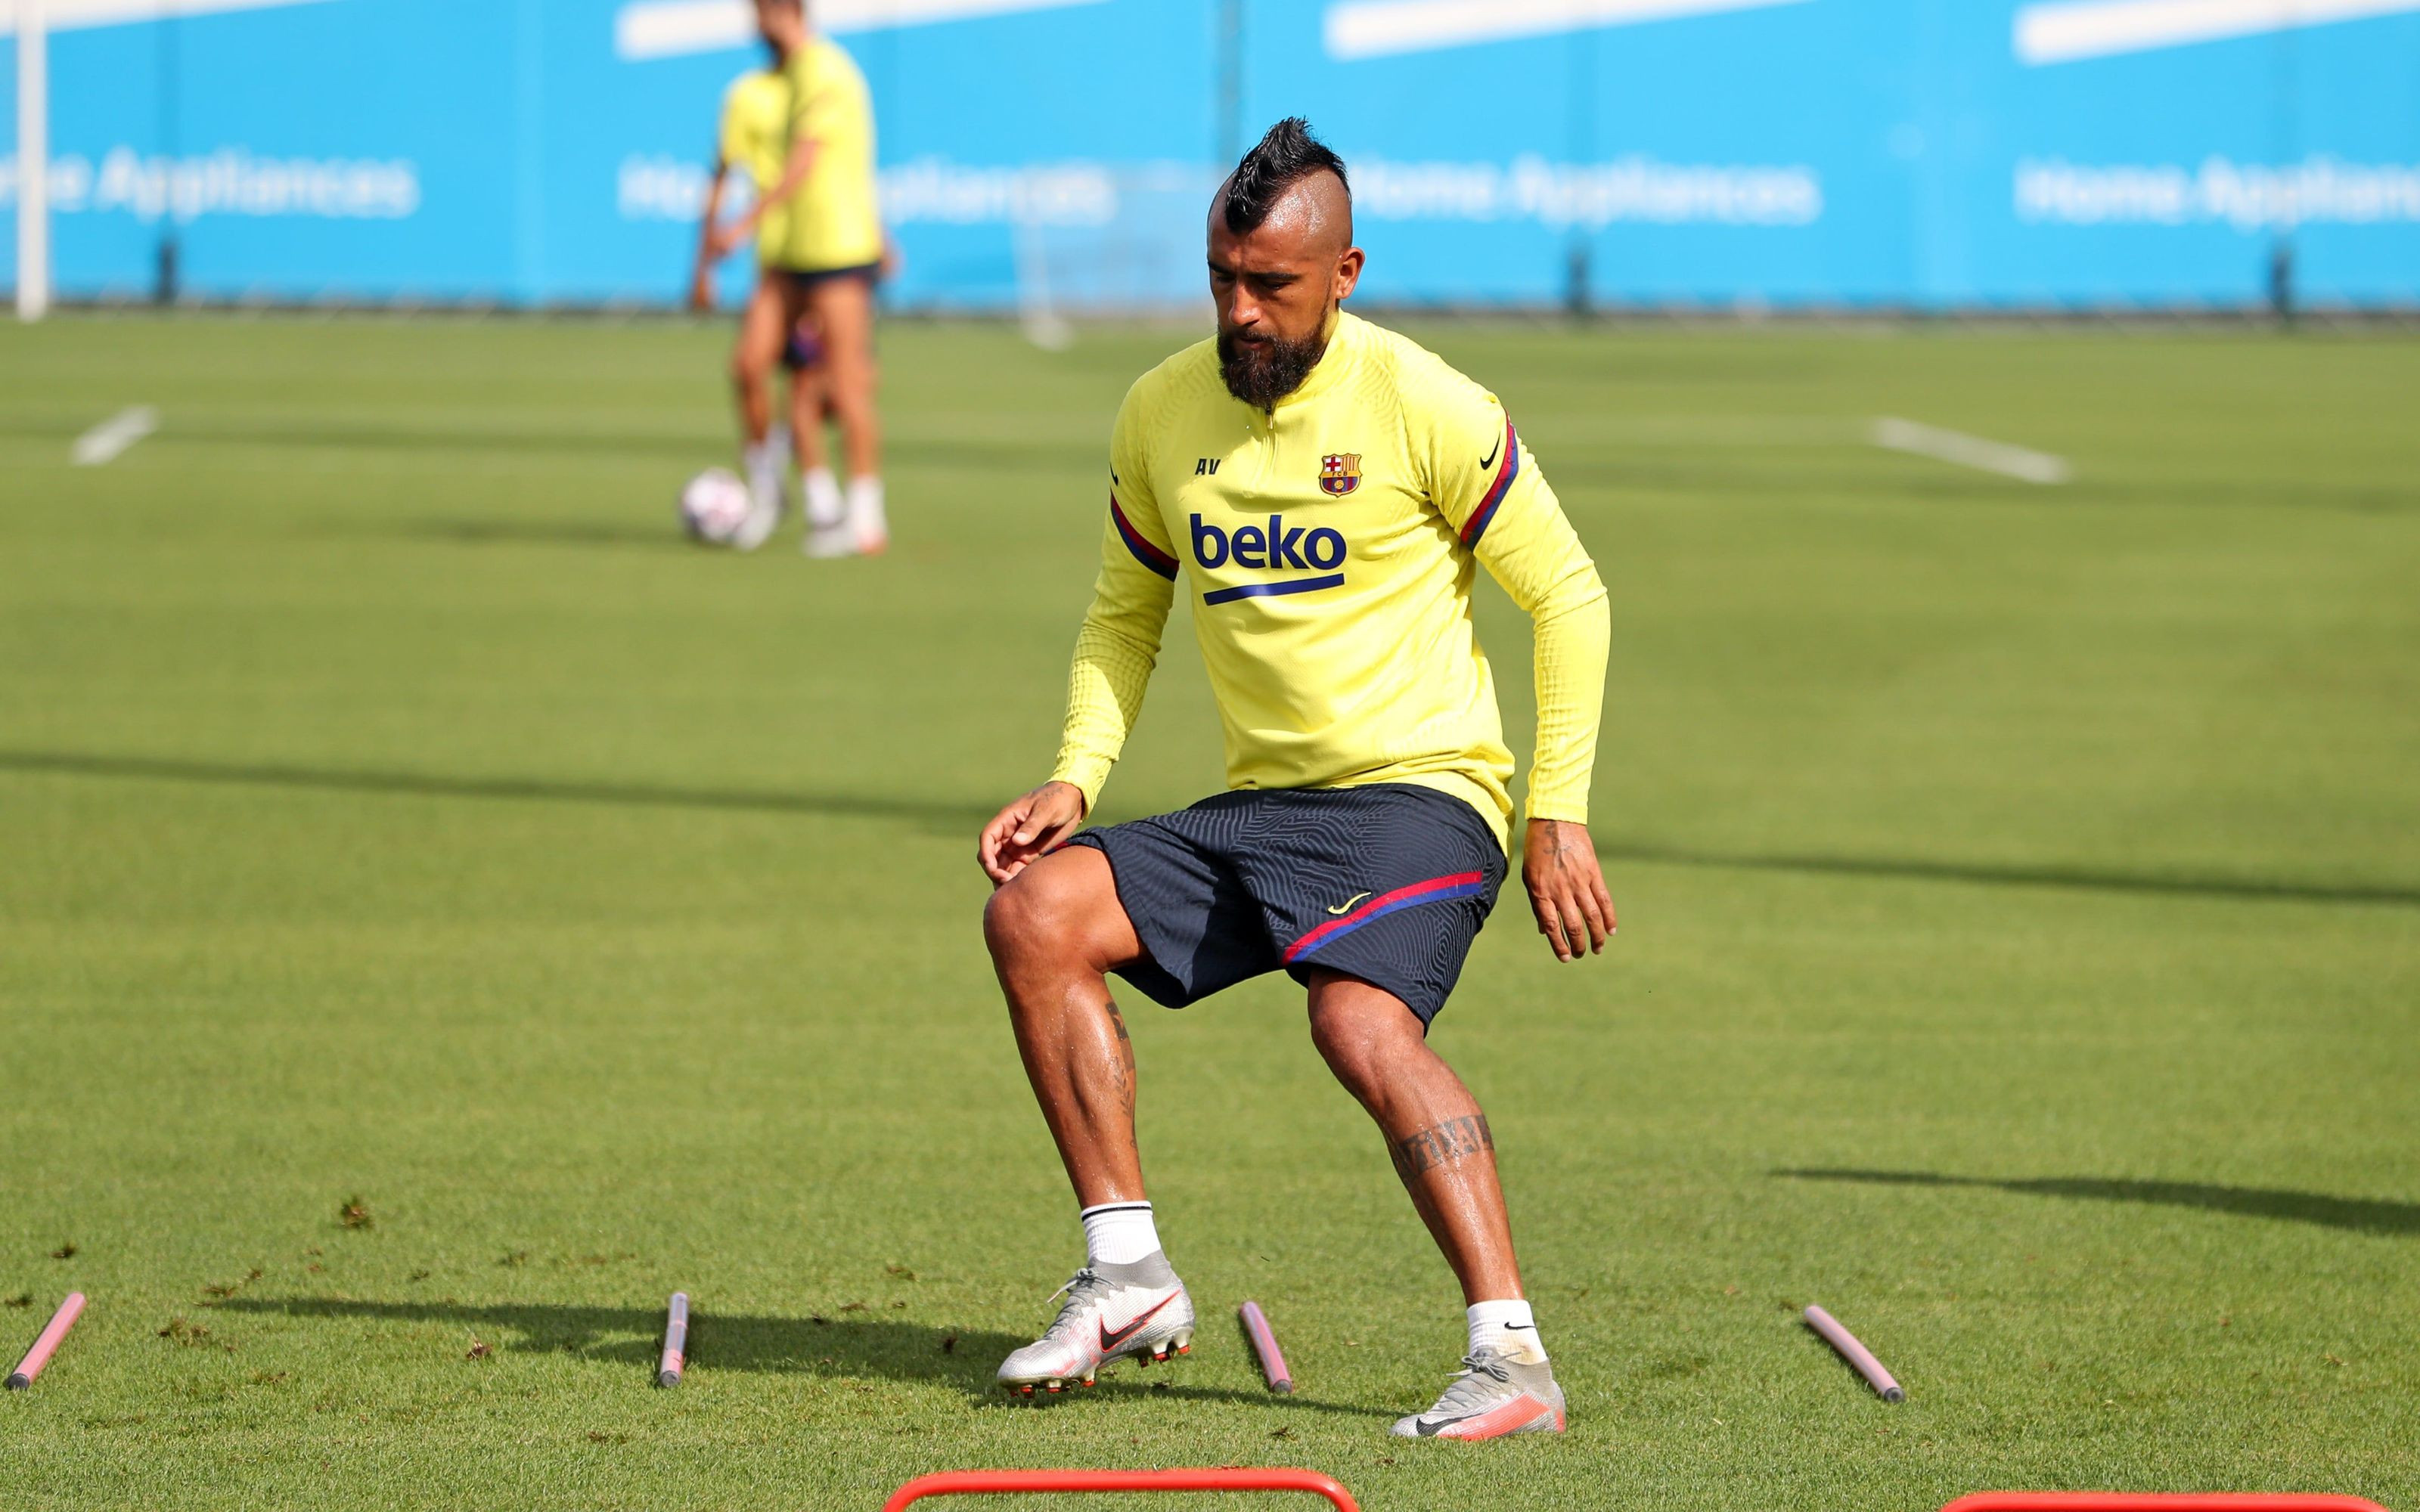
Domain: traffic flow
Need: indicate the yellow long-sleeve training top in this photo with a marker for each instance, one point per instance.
(1329, 545)
(833, 219)
(756, 139)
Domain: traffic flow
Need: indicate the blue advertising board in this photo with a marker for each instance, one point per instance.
(1875, 153)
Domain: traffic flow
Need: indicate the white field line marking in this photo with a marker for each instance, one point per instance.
(2073, 30)
(2028, 466)
(1724, 431)
(647, 29)
(72, 15)
(1379, 28)
(107, 442)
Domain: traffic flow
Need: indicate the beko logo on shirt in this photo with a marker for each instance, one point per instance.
(1275, 545)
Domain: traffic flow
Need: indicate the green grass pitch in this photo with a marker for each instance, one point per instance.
(2020, 893)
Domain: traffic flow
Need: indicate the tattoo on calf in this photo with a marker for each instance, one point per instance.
(1121, 1069)
(1452, 1140)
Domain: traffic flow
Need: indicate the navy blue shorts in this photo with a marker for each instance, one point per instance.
(803, 350)
(1389, 883)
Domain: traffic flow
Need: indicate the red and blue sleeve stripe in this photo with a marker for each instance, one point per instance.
(1435, 890)
(1510, 469)
(1144, 553)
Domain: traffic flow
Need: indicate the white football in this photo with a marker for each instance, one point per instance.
(714, 506)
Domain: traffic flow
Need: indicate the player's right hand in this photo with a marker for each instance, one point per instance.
(1029, 829)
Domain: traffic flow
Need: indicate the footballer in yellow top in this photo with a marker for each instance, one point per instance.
(810, 144)
(1324, 492)
(752, 141)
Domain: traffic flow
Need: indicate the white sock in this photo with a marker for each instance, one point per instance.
(866, 508)
(1119, 1233)
(763, 461)
(1506, 1326)
(826, 508)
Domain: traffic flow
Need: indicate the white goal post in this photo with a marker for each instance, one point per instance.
(1105, 241)
(32, 163)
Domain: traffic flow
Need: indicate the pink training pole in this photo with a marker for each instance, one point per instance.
(53, 1333)
(1264, 1344)
(1012, 1482)
(1856, 1355)
(2156, 1502)
(668, 1368)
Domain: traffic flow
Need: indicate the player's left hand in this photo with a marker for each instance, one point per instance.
(1029, 829)
(1566, 886)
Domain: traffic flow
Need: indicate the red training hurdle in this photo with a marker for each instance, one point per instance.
(2158, 1501)
(998, 1482)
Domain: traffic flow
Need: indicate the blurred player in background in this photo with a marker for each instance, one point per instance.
(821, 247)
(1323, 493)
(754, 139)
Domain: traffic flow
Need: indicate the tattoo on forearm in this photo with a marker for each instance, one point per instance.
(1454, 1139)
(1117, 1021)
(1564, 840)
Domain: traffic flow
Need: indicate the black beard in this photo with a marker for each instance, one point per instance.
(1262, 373)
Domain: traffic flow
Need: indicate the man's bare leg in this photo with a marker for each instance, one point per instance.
(754, 355)
(1433, 1127)
(1056, 930)
(843, 311)
(1055, 933)
(807, 419)
(1446, 1159)
(764, 330)
(819, 490)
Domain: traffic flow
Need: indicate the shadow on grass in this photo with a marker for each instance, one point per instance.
(2362, 1215)
(842, 1347)
(964, 818)
(952, 818)
(2077, 878)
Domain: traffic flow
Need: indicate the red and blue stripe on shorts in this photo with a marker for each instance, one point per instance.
(1435, 890)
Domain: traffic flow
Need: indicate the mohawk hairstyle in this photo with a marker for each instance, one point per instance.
(1284, 158)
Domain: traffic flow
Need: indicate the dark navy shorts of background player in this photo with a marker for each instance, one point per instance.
(803, 350)
(1389, 883)
(802, 279)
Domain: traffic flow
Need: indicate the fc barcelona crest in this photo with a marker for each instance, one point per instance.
(1339, 474)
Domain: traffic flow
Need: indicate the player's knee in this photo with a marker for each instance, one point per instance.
(1363, 1044)
(1349, 1046)
(1033, 920)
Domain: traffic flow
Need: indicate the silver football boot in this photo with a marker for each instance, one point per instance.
(1496, 1394)
(1112, 1312)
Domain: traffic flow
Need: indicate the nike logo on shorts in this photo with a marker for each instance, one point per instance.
(1346, 905)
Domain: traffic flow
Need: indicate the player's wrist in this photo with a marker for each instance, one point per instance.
(1085, 773)
(1083, 799)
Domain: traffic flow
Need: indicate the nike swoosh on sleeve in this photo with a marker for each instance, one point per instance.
(1489, 460)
